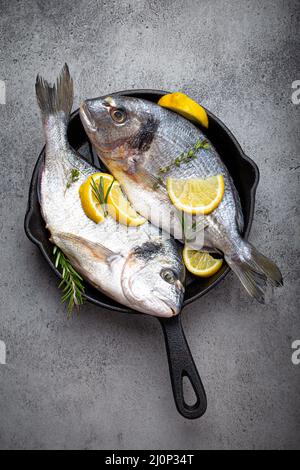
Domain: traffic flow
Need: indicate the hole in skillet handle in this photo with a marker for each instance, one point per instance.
(181, 365)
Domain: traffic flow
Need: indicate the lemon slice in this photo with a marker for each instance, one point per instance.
(120, 208)
(116, 203)
(200, 263)
(90, 203)
(196, 196)
(184, 105)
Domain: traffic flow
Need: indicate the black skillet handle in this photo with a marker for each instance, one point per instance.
(181, 365)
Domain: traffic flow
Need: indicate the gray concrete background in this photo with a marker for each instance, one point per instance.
(101, 379)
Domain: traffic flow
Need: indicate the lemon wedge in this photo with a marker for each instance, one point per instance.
(116, 204)
(120, 208)
(196, 196)
(184, 105)
(90, 203)
(200, 263)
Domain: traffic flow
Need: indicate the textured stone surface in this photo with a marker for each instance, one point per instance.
(101, 379)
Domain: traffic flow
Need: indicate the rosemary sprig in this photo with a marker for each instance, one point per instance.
(74, 176)
(100, 194)
(71, 283)
(183, 158)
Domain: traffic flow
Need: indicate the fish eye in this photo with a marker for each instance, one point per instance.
(118, 115)
(168, 275)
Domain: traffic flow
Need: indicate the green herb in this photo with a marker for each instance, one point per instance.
(183, 158)
(74, 176)
(71, 283)
(204, 144)
(165, 169)
(159, 182)
(99, 193)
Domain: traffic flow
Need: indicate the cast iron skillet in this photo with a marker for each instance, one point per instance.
(245, 175)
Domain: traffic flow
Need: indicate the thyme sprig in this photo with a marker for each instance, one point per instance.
(74, 176)
(71, 283)
(183, 158)
(99, 193)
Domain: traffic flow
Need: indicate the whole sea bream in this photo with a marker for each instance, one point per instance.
(137, 139)
(137, 266)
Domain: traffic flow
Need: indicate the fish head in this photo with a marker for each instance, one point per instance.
(153, 279)
(118, 126)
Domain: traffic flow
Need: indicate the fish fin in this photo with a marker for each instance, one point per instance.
(239, 212)
(56, 98)
(96, 249)
(207, 249)
(135, 172)
(153, 182)
(212, 250)
(255, 271)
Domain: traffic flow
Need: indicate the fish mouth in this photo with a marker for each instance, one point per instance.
(99, 134)
(86, 117)
(176, 305)
(161, 307)
(175, 309)
(166, 308)
(157, 305)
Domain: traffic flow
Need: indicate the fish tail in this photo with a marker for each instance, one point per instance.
(57, 98)
(255, 271)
